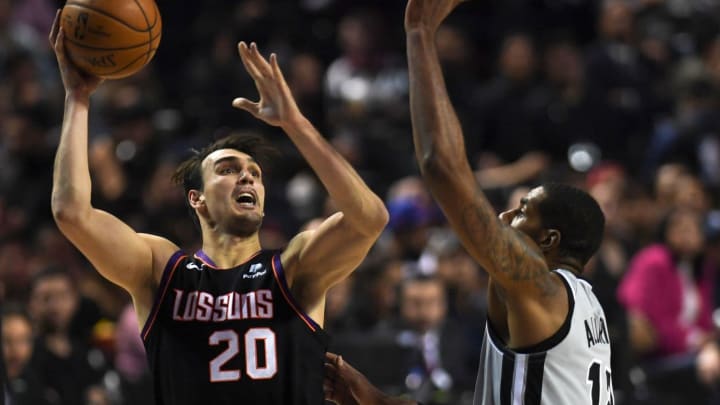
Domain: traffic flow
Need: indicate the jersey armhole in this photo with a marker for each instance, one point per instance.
(168, 272)
(551, 341)
(279, 274)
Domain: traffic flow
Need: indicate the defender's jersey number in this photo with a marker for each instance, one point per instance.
(595, 377)
(255, 369)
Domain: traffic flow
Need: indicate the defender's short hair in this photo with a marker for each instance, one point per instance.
(577, 216)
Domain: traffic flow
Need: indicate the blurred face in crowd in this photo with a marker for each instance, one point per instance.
(616, 21)
(564, 64)
(53, 303)
(684, 233)
(384, 290)
(17, 341)
(666, 181)
(517, 61)
(423, 304)
(338, 299)
(690, 193)
(233, 193)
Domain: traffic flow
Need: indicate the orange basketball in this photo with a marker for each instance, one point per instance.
(111, 38)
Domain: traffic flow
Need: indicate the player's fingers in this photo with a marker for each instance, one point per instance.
(60, 45)
(278, 74)
(55, 28)
(247, 105)
(247, 62)
(260, 61)
(332, 358)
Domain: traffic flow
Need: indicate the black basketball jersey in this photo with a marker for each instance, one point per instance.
(233, 336)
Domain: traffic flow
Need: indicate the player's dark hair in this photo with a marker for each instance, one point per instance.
(578, 218)
(189, 172)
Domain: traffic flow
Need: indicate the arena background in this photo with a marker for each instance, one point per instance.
(619, 97)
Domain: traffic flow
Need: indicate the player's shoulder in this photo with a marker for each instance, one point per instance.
(162, 251)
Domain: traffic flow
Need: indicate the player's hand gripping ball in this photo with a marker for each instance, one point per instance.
(111, 39)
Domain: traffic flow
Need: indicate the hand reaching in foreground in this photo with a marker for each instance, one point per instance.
(346, 386)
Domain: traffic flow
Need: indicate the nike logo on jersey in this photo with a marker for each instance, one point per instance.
(193, 266)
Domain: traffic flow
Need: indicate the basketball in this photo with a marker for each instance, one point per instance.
(111, 39)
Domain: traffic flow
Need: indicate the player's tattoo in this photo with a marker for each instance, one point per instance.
(505, 248)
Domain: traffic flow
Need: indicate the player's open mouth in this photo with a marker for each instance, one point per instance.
(246, 199)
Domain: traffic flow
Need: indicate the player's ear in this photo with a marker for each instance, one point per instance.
(196, 198)
(550, 239)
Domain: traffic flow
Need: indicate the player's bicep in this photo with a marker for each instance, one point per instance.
(327, 254)
(119, 253)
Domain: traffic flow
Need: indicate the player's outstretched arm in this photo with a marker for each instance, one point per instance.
(344, 385)
(441, 155)
(118, 253)
(327, 254)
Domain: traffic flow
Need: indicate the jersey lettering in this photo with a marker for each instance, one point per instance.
(204, 307)
(596, 331)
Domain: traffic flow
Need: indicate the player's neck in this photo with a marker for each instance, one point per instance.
(566, 263)
(227, 251)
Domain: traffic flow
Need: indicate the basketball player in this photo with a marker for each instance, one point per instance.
(546, 339)
(232, 323)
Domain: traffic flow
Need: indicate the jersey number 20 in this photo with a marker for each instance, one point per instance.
(253, 369)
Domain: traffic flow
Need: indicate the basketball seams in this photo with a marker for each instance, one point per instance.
(108, 74)
(112, 17)
(147, 22)
(101, 48)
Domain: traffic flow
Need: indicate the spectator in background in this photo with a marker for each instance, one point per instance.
(366, 93)
(559, 105)
(130, 360)
(690, 136)
(679, 324)
(618, 85)
(441, 369)
(65, 362)
(25, 387)
(607, 183)
(503, 129)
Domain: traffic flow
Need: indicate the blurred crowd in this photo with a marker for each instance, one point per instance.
(620, 97)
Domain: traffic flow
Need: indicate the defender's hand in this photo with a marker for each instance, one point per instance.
(277, 106)
(75, 81)
(428, 14)
(344, 385)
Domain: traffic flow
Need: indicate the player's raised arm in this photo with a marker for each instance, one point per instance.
(506, 254)
(119, 254)
(327, 254)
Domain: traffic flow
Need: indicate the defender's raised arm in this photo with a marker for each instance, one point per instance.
(440, 151)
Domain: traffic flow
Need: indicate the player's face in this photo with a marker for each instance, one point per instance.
(234, 193)
(526, 216)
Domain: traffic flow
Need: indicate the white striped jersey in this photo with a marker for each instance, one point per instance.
(572, 367)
